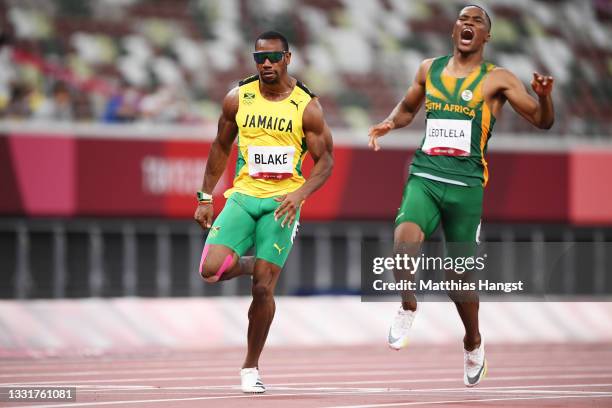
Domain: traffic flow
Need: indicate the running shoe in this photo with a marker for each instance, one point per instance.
(250, 381)
(398, 333)
(474, 365)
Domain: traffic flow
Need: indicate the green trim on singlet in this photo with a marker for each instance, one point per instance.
(298, 167)
(248, 80)
(304, 88)
(240, 162)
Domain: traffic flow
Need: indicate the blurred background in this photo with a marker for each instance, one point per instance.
(171, 61)
(108, 109)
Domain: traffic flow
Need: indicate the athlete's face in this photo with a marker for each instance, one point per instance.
(270, 72)
(471, 30)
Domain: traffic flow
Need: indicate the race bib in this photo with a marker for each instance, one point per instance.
(448, 137)
(271, 162)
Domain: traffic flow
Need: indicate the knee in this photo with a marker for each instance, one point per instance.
(261, 292)
(408, 237)
(264, 282)
(409, 233)
(209, 272)
(212, 269)
(463, 296)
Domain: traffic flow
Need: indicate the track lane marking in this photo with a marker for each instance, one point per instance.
(408, 404)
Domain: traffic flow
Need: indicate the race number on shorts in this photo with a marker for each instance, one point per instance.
(271, 162)
(448, 137)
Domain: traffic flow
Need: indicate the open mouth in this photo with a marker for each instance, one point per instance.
(467, 35)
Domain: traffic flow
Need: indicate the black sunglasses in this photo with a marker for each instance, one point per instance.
(274, 56)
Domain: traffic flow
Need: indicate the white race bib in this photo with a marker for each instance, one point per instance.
(448, 137)
(271, 162)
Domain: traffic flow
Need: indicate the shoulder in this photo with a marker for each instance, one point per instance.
(424, 68)
(501, 73)
(313, 117)
(502, 76)
(231, 102)
(500, 80)
(427, 63)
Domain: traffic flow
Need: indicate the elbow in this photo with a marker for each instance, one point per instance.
(547, 125)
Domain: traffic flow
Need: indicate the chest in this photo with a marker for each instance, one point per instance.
(257, 116)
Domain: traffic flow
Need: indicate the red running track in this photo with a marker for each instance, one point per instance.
(570, 375)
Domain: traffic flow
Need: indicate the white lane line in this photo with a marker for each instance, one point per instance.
(474, 401)
(443, 369)
(225, 368)
(235, 388)
(147, 401)
(558, 392)
(234, 377)
(206, 366)
(363, 382)
(126, 402)
(271, 396)
(215, 359)
(410, 393)
(510, 387)
(164, 359)
(454, 379)
(232, 388)
(429, 390)
(306, 375)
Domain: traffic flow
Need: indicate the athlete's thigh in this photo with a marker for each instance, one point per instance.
(273, 242)
(461, 213)
(234, 228)
(419, 205)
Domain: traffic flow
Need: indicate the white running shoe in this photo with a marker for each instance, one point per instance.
(474, 365)
(250, 381)
(398, 333)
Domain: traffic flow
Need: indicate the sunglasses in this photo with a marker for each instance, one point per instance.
(274, 56)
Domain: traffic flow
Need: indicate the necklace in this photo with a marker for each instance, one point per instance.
(263, 89)
(277, 93)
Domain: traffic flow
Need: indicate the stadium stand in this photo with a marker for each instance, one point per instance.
(173, 60)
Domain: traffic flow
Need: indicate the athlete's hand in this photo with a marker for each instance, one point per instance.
(377, 131)
(542, 85)
(289, 204)
(204, 214)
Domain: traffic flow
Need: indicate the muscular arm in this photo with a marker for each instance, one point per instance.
(222, 146)
(405, 111)
(538, 112)
(219, 153)
(320, 146)
(319, 142)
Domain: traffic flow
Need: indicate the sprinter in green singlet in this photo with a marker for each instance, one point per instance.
(463, 95)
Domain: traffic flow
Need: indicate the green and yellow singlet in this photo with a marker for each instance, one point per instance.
(459, 125)
(271, 144)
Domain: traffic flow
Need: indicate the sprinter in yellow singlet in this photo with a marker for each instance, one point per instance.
(277, 120)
